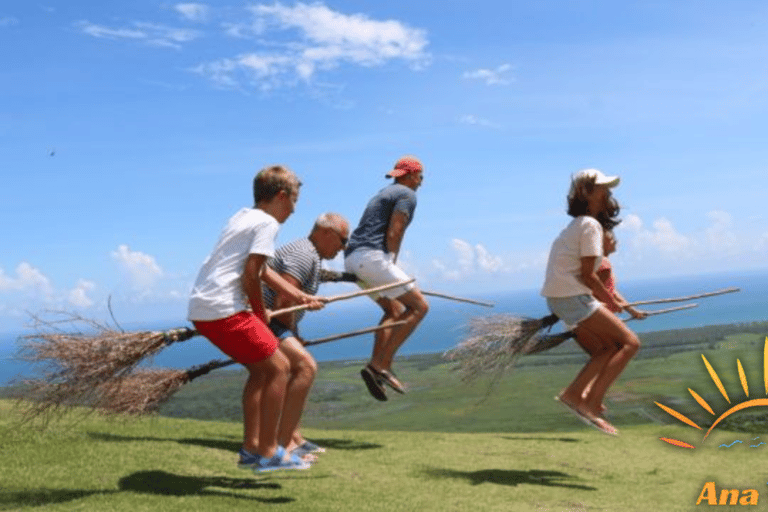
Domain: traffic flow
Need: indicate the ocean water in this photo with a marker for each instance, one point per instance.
(445, 324)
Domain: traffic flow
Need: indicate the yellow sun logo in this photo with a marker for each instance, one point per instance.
(756, 402)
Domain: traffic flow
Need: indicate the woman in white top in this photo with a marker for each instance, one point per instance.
(578, 297)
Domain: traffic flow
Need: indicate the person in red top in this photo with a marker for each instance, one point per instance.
(605, 273)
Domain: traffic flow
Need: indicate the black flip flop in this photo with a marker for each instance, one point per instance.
(372, 383)
(389, 379)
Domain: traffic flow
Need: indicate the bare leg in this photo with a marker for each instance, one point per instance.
(609, 327)
(263, 402)
(410, 307)
(589, 341)
(302, 375)
(573, 394)
(251, 400)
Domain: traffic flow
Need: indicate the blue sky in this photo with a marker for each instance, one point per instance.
(130, 132)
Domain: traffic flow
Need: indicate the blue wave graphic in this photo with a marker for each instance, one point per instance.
(742, 442)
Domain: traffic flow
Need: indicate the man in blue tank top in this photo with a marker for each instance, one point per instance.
(371, 255)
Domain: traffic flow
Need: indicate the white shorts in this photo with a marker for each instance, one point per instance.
(376, 268)
(572, 310)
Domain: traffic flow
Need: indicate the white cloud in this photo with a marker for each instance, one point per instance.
(470, 260)
(320, 39)
(719, 235)
(8, 21)
(473, 120)
(31, 290)
(663, 249)
(486, 261)
(193, 12)
(141, 270)
(28, 279)
(497, 76)
(445, 272)
(78, 296)
(100, 31)
(152, 34)
(663, 238)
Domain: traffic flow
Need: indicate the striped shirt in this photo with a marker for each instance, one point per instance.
(300, 260)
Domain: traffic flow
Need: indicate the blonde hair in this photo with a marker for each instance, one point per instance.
(269, 181)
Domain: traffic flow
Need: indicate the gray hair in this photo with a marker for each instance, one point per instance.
(330, 220)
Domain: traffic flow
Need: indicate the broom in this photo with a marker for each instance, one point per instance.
(494, 343)
(333, 276)
(144, 391)
(79, 367)
(548, 341)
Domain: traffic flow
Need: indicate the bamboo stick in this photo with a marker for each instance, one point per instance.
(688, 297)
(344, 296)
(458, 299)
(336, 277)
(352, 333)
(667, 310)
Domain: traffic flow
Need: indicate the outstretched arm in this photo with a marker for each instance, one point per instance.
(289, 290)
(283, 300)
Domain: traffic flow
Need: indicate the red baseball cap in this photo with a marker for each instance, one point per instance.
(405, 165)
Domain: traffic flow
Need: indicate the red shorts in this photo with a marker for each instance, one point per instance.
(242, 336)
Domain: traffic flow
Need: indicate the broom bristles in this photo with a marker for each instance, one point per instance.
(144, 391)
(545, 342)
(80, 368)
(494, 343)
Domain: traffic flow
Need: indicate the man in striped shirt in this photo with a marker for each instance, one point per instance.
(299, 263)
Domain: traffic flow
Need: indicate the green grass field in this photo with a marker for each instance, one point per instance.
(162, 464)
(443, 446)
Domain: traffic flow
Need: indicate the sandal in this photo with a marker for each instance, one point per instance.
(310, 447)
(604, 426)
(389, 379)
(583, 417)
(373, 384)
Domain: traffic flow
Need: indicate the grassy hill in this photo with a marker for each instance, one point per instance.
(521, 400)
(443, 446)
(163, 464)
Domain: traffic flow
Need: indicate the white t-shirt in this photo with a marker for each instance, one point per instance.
(581, 238)
(218, 291)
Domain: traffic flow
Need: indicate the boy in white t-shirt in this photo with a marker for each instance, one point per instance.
(227, 307)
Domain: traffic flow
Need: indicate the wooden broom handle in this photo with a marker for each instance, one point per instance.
(334, 298)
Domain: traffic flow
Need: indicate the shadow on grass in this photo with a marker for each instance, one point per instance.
(13, 500)
(233, 446)
(169, 484)
(346, 444)
(160, 483)
(219, 444)
(558, 439)
(510, 477)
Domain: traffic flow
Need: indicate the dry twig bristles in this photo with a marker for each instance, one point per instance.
(82, 365)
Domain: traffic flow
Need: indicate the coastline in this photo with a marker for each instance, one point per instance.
(444, 326)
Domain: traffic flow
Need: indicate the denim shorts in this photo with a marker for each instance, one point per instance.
(280, 331)
(572, 310)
